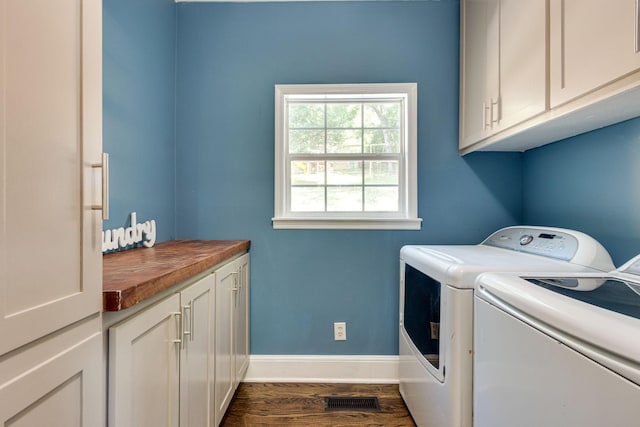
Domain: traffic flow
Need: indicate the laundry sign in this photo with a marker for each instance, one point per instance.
(122, 237)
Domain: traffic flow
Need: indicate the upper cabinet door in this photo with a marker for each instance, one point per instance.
(50, 136)
(592, 43)
(479, 68)
(523, 61)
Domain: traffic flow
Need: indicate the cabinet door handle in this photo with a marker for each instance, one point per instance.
(104, 165)
(191, 322)
(495, 118)
(235, 281)
(486, 114)
(637, 24)
(186, 331)
(179, 329)
(562, 46)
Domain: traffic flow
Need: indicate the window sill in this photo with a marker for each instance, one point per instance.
(347, 224)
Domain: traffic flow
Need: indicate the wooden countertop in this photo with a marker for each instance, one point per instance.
(132, 276)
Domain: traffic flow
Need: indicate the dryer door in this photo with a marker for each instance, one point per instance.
(421, 318)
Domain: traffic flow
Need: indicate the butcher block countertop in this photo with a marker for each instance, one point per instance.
(130, 277)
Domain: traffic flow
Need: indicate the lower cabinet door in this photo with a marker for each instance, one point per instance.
(226, 282)
(62, 388)
(144, 357)
(196, 357)
(241, 315)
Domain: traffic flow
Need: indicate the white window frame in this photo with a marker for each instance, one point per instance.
(407, 216)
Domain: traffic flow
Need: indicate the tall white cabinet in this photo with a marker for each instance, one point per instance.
(50, 250)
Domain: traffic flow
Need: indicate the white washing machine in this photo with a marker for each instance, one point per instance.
(436, 310)
(558, 351)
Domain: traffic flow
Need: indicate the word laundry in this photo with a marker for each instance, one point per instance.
(135, 233)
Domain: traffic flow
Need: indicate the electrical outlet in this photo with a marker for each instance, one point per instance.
(340, 331)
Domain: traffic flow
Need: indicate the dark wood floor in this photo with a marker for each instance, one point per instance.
(288, 404)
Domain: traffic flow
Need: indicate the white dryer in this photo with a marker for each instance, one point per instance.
(436, 309)
(558, 351)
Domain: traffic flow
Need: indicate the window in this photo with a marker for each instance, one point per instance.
(346, 156)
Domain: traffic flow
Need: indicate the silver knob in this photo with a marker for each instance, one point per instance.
(526, 239)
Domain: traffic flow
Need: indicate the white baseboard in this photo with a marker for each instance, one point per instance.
(323, 369)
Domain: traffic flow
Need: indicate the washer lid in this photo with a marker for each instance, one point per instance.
(610, 294)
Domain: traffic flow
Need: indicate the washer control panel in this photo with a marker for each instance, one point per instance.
(551, 243)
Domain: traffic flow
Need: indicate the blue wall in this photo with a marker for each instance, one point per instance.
(591, 183)
(214, 179)
(230, 56)
(139, 46)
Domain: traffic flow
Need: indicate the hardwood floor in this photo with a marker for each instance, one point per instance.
(294, 404)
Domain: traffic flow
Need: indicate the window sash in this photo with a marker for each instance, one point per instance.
(405, 217)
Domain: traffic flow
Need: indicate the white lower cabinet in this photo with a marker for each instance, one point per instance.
(160, 366)
(179, 361)
(55, 383)
(232, 331)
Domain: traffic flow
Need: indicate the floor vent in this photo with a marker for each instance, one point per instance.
(350, 403)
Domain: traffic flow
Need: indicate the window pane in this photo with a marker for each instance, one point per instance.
(307, 173)
(381, 172)
(344, 199)
(307, 199)
(382, 115)
(344, 173)
(306, 115)
(306, 141)
(381, 199)
(344, 141)
(344, 115)
(381, 141)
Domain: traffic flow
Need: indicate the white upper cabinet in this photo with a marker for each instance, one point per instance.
(564, 67)
(503, 65)
(593, 43)
(50, 135)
